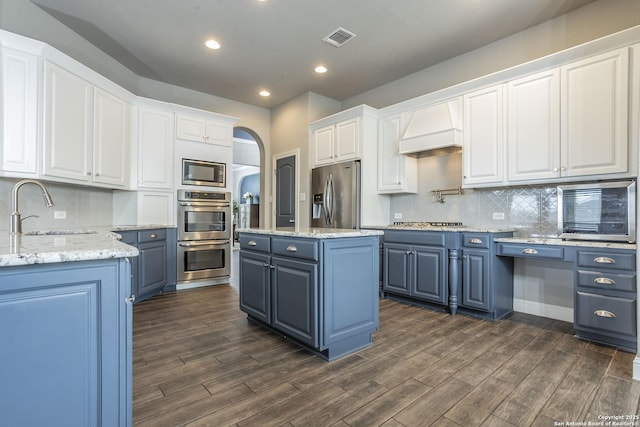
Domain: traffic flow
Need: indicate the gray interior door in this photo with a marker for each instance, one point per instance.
(285, 191)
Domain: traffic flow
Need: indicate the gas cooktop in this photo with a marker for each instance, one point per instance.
(428, 223)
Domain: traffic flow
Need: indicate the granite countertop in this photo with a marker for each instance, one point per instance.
(80, 245)
(464, 228)
(314, 233)
(560, 242)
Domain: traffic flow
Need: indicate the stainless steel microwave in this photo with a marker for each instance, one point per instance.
(205, 173)
(600, 211)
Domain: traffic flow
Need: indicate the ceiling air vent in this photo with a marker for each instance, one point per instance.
(339, 37)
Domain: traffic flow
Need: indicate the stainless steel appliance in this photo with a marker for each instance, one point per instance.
(204, 236)
(199, 172)
(336, 195)
(599, 211)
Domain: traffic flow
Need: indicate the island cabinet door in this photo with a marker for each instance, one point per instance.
(255, 285)
(430, 270)
(475, 280)
(295, 299)
(396, 268)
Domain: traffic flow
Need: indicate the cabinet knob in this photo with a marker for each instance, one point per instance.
(131, 299)
(530, 251)
(265, 265)
(555, 169)
(604, 313)
(604, 281)
(408, 252)
(88, 173)
(563, 168)
(604, 260)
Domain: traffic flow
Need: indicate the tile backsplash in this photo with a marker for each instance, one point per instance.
(84, 206)
(530, 210)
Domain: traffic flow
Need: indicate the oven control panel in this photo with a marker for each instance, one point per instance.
(192, 196)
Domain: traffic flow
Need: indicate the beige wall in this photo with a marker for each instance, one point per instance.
(580, 26)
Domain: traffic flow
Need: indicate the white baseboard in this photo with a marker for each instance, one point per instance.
(545, 310)
(636, 367)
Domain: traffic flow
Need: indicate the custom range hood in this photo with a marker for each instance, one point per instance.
(433, 129)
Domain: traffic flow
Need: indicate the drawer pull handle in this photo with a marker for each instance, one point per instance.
(530, 251)
(252, 243)
(153, 236)
(604, 281)
(604, 260)
(475, 241)
(292, 248)
(604, 313)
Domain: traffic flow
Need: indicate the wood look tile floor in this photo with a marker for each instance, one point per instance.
(197, 361)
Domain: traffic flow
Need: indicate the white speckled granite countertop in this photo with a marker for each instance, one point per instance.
(560, 242)
(314, 233)
(464, 228)
(40, 248)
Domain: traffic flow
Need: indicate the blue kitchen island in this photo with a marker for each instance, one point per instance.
(317, 287)
(65, 330)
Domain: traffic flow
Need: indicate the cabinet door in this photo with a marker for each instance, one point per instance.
(347, 143)
(155, 149)
(220, 134)
(534, 127)
(323, 145)
(475, 280)
(67, 125)
(396, 268)
(429, 272)
(595, 114)
(295, 296)
(255, 285)
(152, 266)
(110, 139)
(19, 77)
(397, 173)
(483, 137)
(191, 128)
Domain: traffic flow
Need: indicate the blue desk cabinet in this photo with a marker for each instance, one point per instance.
(154, 268)
(321, 293)
(65, 355)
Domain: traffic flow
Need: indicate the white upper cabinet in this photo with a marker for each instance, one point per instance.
(397, 173)
(19, 88)
(155, 146)
(336, 142)
(86, 131)
(594, 115)
(203, 129)
(483, 137)
(111, 132)
(534, 127)
(68, 117)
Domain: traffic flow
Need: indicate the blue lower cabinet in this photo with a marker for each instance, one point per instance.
(321, 293)
(66, 344)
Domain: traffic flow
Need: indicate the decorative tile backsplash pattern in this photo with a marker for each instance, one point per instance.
(530, 210)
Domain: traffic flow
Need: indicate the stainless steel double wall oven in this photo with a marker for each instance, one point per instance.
(204, 235)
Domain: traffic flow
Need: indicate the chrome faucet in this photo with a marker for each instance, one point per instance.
(16, 222)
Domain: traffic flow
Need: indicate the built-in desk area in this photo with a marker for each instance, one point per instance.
(604, 283)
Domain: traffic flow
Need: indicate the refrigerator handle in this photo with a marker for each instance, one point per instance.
(325, 202)
(331, 198)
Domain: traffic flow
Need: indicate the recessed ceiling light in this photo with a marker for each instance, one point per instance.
(212, 44)
(264, 93)
(320, 69)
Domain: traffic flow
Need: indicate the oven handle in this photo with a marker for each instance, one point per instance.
(205, 204)
(194, 244)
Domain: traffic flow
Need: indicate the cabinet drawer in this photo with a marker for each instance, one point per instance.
(475, 240)
(417, 237)
(128, 237)
(152, 235)
(606, 259)
(295, 248)
(610, 314)
(254, 242)
(530, 251)
(606, 280)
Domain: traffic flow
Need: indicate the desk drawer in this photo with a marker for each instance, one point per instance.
(606, 259)
(295, 248)
(610, 314)
(152, 235)
(476, 240)
(530, 251)
(255, 242)
(607, 280)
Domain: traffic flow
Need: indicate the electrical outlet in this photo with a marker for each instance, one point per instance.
(59, 214)
(303, 197)
(397, 215)
(498, 215)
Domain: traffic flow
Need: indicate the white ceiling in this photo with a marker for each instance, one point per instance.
(275, 44)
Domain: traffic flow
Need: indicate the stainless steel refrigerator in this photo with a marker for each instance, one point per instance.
(336, 195)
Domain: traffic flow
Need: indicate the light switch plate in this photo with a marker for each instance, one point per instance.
(397, 215)
(498, 215)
